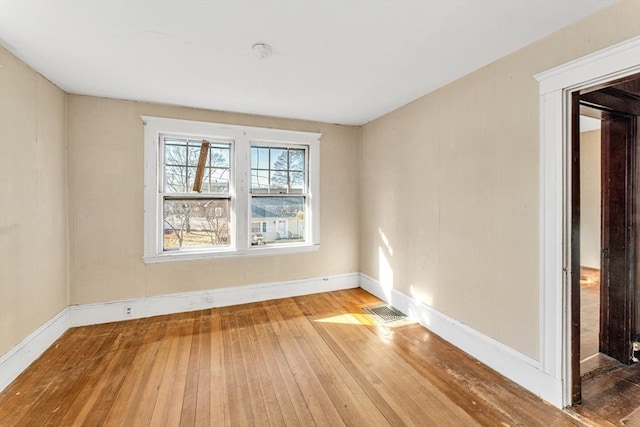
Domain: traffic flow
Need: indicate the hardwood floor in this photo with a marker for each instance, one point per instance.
(589, 313)
(614, 394)
(312, 360)
(610, 389)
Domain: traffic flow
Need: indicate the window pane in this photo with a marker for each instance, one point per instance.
(191, 178)
(196, 223)
(279, 181)
(259, 158)
(259, 181)
(174, 179)
(279, 159)
(296, 182)
(194, 152)
(219, 156)
(281, 218)
(175, 154)
(296, 160)
(219, 180)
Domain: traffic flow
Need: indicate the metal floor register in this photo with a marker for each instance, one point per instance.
(385, 313)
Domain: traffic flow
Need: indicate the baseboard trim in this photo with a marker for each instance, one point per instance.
(514, 365)
(508, 362)
(92, 314)
(18, 358)
(23, 354)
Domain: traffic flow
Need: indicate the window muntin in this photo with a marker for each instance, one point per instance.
(224, 214)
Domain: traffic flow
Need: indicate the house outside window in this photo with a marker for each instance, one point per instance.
(258, 227)
(215, 190)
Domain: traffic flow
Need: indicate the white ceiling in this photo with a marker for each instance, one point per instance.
(345, 62)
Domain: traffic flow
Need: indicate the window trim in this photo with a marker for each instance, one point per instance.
(242, 137)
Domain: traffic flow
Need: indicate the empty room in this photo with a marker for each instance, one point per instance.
(256, 213)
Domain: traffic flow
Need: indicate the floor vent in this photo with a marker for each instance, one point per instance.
(385, 313)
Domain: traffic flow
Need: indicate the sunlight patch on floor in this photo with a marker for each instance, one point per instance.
(350, 319)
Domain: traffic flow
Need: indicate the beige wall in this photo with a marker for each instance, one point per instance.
(106, 207)
(451, 181)
(590, 199)
(444, 205)
(33, 201)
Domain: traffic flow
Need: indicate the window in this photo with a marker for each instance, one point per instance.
(195, 193)
(221, 190)
(278, 193)
(258, 227)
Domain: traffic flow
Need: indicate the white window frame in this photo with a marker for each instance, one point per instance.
(243, 138)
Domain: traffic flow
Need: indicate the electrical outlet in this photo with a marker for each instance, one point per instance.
(127, 311)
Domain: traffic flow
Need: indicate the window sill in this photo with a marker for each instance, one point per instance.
(251, 252)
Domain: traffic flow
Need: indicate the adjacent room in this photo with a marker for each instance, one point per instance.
(319, 212)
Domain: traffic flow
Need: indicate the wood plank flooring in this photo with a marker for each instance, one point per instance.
(305, 361)
(614, 394)
(610, 389)
(589, 312)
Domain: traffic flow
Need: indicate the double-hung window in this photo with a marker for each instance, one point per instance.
(278, 193)
(195, 193)
(216, 190)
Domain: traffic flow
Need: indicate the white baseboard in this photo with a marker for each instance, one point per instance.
(92, 314)
(512, 364)
(16, 360)
(508, 362)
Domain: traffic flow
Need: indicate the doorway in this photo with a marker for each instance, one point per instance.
(604, 201)
(555, 370)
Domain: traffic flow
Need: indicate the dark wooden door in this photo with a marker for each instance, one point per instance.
(617, 291)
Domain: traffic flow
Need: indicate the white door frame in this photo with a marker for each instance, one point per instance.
(555, 267)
